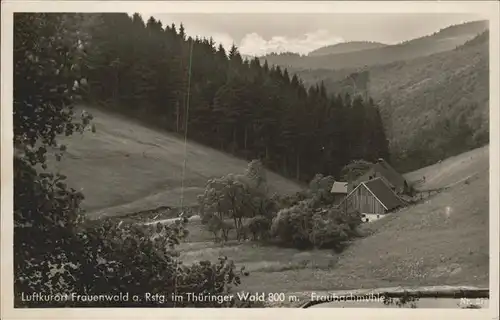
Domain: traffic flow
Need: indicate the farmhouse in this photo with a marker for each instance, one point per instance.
(383, 170)
(339, 191)
(373, 197)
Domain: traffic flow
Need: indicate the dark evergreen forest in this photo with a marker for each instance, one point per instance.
(245, 108)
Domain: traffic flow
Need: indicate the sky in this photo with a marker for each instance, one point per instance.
(259, 34)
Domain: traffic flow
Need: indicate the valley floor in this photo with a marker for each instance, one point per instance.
(125, 167)
(442, 241)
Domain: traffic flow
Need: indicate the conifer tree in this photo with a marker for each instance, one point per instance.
(248, 108)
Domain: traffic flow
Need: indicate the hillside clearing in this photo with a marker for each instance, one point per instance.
(426, 244)
(443, 241)
(126, 167)
(452, 169)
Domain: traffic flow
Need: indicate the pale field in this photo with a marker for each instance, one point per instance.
(126, 167)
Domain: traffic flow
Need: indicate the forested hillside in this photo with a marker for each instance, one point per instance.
(443, 40)
(432, 107)
(250, 110)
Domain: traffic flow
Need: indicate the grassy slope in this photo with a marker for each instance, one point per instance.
(446, 39)
(420, 245)
(126, 167)
(451, 170)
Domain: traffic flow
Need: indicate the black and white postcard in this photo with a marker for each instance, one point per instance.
(208, 157)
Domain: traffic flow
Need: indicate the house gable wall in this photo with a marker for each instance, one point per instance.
(362, 200)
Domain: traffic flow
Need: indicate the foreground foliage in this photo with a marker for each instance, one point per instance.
(55, 253)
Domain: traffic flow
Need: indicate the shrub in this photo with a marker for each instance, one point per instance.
(236, 197)
(288, 201)
(321, 183)
(320, 191)
(355, 169)
(225, 197)
(334, 228)
(259, 227)
(219, 228)
(292, 225)
(304, 226)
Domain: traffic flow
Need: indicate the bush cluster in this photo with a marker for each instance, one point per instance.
(238, 202)
(315, 221)
(304, 220)
(303, 226)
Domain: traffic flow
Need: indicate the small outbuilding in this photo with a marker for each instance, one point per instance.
(339, 191)
(373, 197)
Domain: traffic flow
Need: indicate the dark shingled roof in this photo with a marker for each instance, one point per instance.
(387, 171)
(383, 193)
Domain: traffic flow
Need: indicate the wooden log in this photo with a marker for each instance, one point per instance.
(422, 292)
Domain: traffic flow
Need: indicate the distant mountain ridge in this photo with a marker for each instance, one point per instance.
(443, 40)
(421, 96)
(346, 47)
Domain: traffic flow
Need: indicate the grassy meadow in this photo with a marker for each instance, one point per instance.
(125, 167)
(442, 241)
